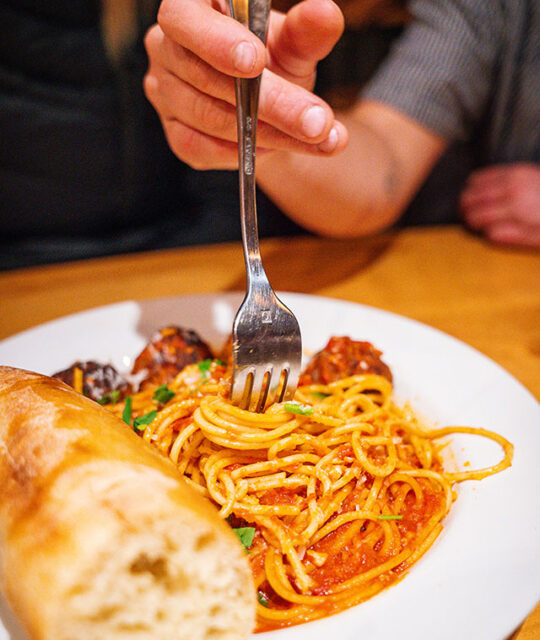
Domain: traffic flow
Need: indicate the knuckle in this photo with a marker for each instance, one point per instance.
(151, 38)
(180, 140)
(273, 98)
(150, 86)
(206, 78)
(213, 115)
(187, 145)
(165, 13)
(198, 70)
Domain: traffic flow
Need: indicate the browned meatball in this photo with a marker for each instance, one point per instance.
(168, 352)
(343, 357)
(100, 382)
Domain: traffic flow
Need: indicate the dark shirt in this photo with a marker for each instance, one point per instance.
(85, 168)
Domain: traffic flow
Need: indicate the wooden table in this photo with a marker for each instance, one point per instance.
(484, 295)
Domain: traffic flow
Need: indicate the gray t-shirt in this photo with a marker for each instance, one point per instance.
(470, 70)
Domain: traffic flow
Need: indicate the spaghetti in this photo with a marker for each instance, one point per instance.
(335, 495)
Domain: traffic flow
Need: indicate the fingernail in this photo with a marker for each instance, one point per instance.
(314, 122)
(330, 143)
(244, 57)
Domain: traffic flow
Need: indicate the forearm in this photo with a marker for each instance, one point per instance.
(362, 190)
(346, 195)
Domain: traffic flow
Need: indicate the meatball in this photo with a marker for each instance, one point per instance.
(343, 357)
(168, 352)
(100, 382)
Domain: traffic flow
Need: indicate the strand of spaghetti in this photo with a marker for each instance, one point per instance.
(358, 403)
(423, 546)
(181, 439)
(478, 474)
(267, 420)
(437, 477)
(278, 580)
(198, 487)
(410, 481)
(189, 452)
(349, 517)
(398, 496)
(310, 519)
(346, 429)
(230, 489)
(222, 432)
(211, 470)
(372, 573)
(243, 423)
(327, 511)
(167, 415)
(268, 509)
(273, 481)
(350, 474)
(272, 465)
(356, 385)
(373, 494)
(474, 474)
(290, 442)
(286, 547)
(423, 450)
(321, 473)
(354, 596)
(298, 612)
(374, 469)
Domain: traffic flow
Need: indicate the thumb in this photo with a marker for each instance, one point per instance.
(302, 37)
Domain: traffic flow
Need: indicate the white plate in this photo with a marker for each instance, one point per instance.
(482, 576)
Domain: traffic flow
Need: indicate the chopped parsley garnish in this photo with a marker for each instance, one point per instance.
(141, 422)
(163, 394)
(245, 535)
(301, 409)
(263, 600)
(110, 398)
(382, 517)
(319, 394)
(204, 367)
(126, 413)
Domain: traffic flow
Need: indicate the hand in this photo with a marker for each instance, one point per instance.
(503, 202)
(195, 51)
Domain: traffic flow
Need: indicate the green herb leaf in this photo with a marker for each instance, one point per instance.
(301, 409)
(204, 367)
(263, 600)
(140, 422)
(245, 535)
(163, 394)
(126, 413)
(110, 398)
(220, 362)
(389, 517)
(319, 395)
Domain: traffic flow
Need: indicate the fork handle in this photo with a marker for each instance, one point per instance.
(247, 98)
(253, 14)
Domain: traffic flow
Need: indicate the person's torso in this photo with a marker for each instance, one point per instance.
(512, 124)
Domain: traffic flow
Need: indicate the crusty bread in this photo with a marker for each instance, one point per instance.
(100, 539)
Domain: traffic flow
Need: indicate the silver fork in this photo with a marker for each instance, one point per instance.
(267, 346)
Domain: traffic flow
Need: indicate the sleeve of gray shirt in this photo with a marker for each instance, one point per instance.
(440, 72)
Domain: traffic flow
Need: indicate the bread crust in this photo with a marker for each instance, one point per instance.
(86, 504)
